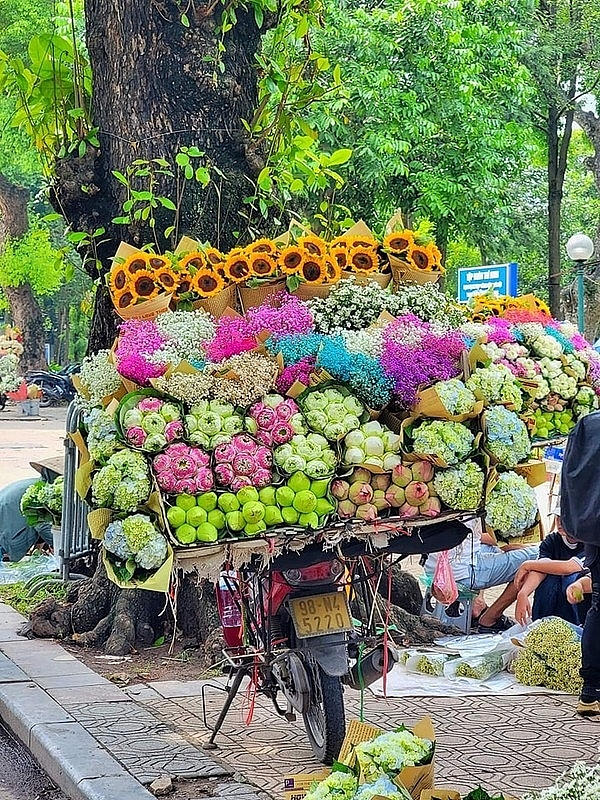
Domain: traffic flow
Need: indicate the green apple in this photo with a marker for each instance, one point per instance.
(207, 501)
(252, 528)
(290, 515)
(185, 501)
(228, 502)
(305, 502)
(216, 518)
(299, 482)
(235, 521)
(206, 533)
(247, 495)
(320, 487)
(267, 495)
(176, 516)
(323, 506)
(285, 496)
(186, 534)
(253, 512)
(195, 516)
(272, 516)
(309, 520)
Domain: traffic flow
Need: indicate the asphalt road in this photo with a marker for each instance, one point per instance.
(21, 778)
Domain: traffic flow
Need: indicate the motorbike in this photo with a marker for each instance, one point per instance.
(292, 628)
(3, 399)
(55, 387)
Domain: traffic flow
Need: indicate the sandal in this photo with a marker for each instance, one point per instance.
(475, 620)
(503, 623)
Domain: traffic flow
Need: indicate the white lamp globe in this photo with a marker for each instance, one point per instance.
(580, 247)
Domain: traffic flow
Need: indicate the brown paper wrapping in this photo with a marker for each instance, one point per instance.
(83, 478)
(252, 297)
(442, 794)
(218, 304)
(532, 535)
(80, 443)
(403, 273)
(364, 278)
(147, 309)
(98, 521)
(429, 405)
(533, 471)
(308, 291)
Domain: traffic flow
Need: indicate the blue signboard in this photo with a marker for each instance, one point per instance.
(499, 278)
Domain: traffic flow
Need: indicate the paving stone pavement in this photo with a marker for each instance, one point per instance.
(509, 744)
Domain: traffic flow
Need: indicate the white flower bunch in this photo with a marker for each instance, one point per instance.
(99, 376)
(460, 487)
(9, 379)
(186, 333)
(564, 385)
(580, 782)
(530, 331)
(368, 342)
(547, 345)
(575, 363)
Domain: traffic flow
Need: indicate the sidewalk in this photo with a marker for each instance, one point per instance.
(97, 741)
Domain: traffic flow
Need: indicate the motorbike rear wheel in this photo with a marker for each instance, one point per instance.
(325, 720)
(45, 401)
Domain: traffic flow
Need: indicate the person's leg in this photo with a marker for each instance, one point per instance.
(589, 701)
(491, 616)
(494, 567)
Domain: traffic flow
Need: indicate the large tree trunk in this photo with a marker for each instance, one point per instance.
(156, 89)
(24, 308)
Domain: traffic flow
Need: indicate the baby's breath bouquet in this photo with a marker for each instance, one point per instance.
(581, 782)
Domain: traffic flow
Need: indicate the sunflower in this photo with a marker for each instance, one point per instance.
(136, 262)
(167, 278)
(340, 255)
(261, 264)
(118, 279)
(158, 262)
(124, 298)
(340, 242)
(313, 270)
(363, 259)
(436, 257)
(290, 259)
(313, 245)
(143, 285)
(262, 246)
(195, 260)
(420, 257)
(541, 306)
(214, 257)
(398, 241)
(207, 283)
(237, 265)
(332, 269)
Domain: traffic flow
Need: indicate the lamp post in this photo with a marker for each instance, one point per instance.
(580, 249)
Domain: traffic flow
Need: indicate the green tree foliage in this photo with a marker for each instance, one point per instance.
(33, 259)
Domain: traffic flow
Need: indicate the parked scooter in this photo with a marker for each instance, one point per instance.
(55, 387)
(290, 629)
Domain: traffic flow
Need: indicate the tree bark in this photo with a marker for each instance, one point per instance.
(24, 308)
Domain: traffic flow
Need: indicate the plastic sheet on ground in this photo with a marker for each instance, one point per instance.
(401, 682)
(27, 568)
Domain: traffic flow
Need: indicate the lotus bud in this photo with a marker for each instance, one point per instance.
(339, 489)
(334, 431)
(401, 475)
(354, 455)
(372, 428)
(422, 471)
(244, 443)
(360, 493)
(346, 509)
(431, 507)
(351, 422)
(395, 496)
(354, 439)
(380, 481)
(361, 474)
(374, 461)
(391, 441)
(373, 446)
(408, 512)
(416, 493)
(317, 440)
(367, 512)
(272, 400)
(379, 500)
(390, 461)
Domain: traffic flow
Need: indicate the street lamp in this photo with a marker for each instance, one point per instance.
(580, 249)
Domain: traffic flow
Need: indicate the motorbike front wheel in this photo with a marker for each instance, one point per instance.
(325, 720)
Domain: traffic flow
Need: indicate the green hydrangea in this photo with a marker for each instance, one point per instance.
(455, 396)
(506, 436)
(123, 483)
(511, 506)
(496, 384)
(460, 487)
(450, 441)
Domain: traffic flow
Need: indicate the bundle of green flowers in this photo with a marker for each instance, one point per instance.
(372, 444)
(339, 785)
(331, 411)
(456, 398)
(585, 401)
(511, 506)
(506, 436)
(311, 454)
(449, 441)
(551, 657)
(9, 379)
(496, 384)
(123, 483)
(102, 435)
(390, 753)
(478, 668)
(136, 542)
(42, 502)
(460, 487)
(212, 422)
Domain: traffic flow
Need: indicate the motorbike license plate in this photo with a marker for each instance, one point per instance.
(320, 614)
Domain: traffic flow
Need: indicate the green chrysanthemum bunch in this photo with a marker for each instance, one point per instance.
(551, 657)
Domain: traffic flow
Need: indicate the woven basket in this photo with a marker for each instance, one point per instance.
(404, 273)
(252, 297)
(362, 279)
(217, 304)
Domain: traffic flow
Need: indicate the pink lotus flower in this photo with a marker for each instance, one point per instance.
(264, 437)
(266, 418)
(244, 464)
(225, 474)
(150, 404)
(183, 467)
(286, 410)
(161, 463)
(167, 482)
(173, 430)
(187, 485)
(204, 480)
(239, 483)
(263, 458)
(225, 453)
(136, 436)
(179, 449)
(262, 477)
(243, 443)
(282, 434)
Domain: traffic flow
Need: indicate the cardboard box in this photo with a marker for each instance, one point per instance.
(295, 787)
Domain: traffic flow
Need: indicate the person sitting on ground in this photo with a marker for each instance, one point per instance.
(17, 537)
(559, 564)
(478, 563)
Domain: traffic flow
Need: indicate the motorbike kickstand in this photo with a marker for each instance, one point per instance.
(233, 690)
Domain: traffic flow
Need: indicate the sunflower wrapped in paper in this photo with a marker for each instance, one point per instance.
(413, 254)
